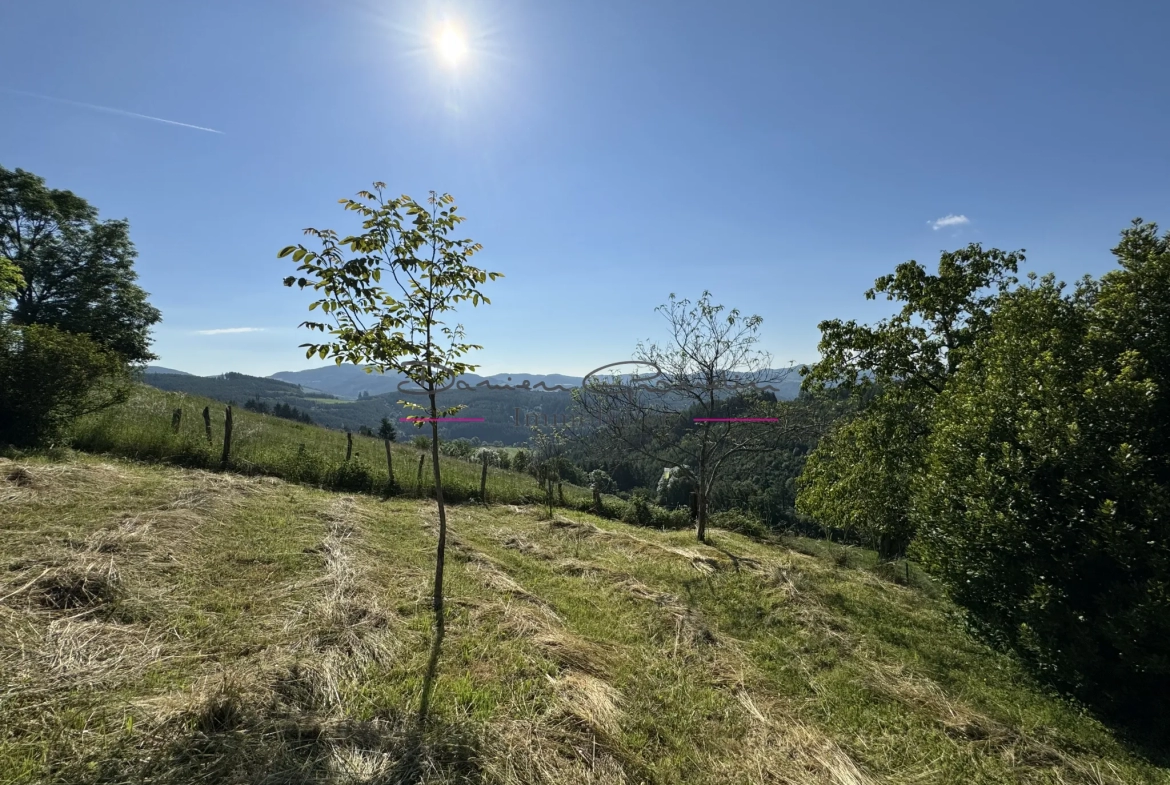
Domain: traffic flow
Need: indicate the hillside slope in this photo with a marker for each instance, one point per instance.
(171, 626)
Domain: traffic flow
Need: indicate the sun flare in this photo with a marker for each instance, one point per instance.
(452, 46)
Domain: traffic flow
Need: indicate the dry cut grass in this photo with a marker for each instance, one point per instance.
(174, 626)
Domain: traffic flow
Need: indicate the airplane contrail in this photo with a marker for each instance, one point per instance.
(109, 109)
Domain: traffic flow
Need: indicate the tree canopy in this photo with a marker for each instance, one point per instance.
(76, 272)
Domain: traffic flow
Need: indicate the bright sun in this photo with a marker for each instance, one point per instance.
(451, 45)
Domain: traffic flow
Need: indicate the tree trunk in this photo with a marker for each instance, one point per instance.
(227, 438)
(701, 529)
(207, 422)
(389, 468)
(441, 553)
(176, 418)
(348, 445)
(483, 481)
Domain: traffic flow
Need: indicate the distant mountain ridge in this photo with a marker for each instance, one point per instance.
(350, 381)
(152, 369)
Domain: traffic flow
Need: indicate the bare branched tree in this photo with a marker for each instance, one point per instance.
(708, 373)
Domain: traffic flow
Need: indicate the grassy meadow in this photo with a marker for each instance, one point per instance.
(272, 446)
(172, 625)
(162, 621)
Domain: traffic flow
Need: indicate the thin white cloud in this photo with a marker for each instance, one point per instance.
(949, 220)
(224, 330)
(110, 109)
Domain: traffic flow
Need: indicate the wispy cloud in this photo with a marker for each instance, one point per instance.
(224, 330)
(949, 220)
(109, 109)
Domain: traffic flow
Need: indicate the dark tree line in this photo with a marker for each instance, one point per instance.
(283, 410)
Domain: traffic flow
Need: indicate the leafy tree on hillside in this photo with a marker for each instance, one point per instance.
(859, 478)
(49, 377)
(397, 330)
(77, 271)
(1045, 507)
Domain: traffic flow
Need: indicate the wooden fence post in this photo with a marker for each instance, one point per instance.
(561, 494)
(348, 445)
(227, 438)
(389, 467)
(483, 481)
(418, 482)
(596, 500)
(207, 422)
(175, 419)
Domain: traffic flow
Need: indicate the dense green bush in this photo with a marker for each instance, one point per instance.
(638, 511)
(49, 378)
(736, 520)
(1045, 507)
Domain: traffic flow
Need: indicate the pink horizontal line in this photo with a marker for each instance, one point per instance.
(440, 419)
(737, 419)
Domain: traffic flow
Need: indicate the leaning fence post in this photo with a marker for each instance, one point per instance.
(483, 480)
(175, 419)
(207, 422)
(227, 438)
(348, 445)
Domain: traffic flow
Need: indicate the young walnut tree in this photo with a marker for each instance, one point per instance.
(395, 326)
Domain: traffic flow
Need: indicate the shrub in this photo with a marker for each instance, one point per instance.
(520, 461)
(49, 377)
(638, 511)
(493, 457)
(669, 519)
(421, 442)
(351, 476)
(601, 481)
(736, 520)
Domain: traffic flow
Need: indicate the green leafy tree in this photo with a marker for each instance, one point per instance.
(397, 329)
(858, 479)
(49, 378)
(77, 272)
(1045, 509)
(520, 460)
(886, 378)
(10, 282)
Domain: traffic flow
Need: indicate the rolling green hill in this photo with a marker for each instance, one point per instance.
(171, 625)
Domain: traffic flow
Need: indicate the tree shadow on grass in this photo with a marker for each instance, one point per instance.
(250, 739)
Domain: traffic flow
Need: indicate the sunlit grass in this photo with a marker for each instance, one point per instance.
(229, 628)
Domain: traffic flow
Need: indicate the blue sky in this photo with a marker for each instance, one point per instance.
(606, 154)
